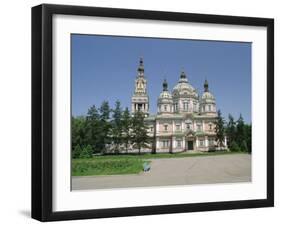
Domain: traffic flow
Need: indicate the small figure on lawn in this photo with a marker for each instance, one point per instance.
(146, 167)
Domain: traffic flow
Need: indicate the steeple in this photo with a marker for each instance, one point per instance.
(206, 86)
(140, 99)
(183, 75)
(141, 67)
(165, 101)
(165, 85)
(183, 78)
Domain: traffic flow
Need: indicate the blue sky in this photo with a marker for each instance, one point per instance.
(105, 68)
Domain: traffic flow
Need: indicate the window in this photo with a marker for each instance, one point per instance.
(165, 143)
(199, 127)
(194, 106)
(210, 126)
(211, 141)
(201, 142)
(165, 127)
(151, 129)
(178, 127)
(187, 125)
(178, 143)
(209, 107)
(185, 106)
(176, 106)
(165, 107)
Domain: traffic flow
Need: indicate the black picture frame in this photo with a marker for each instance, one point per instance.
(42, 111)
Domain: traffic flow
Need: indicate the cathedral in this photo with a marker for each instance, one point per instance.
(185, 121)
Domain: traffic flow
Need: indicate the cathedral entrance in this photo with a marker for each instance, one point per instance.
(189, 145)
(189, 141)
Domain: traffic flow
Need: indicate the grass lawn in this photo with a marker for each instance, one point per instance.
(107, 165)
(125, 163)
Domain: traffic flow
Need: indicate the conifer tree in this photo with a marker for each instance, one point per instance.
(248, 137)
(126, 128)
(92, 129)
(116, 130)
(140, 137)
(78, 129)
(240, 132)
(105, 126)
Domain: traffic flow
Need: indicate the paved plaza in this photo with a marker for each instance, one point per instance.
(176, 171)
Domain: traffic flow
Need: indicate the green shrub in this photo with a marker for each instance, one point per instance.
(212, 150)
(234, 147)
(244, 146)
(76, 151)
(86, 152)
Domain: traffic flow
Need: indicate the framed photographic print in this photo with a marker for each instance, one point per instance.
(145, 112)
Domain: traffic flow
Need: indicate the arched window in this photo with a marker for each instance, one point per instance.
(176, 106)
(185, 106)
(194, 106)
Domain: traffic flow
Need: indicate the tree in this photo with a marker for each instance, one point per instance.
(244, 146)
(116, 130)
(139, 131)
(76, 151)
(86, 152)
(153, 140)
(105, 126)
(231, 129)
(78, 131)
(234, 147)
(126, 128)
(240, 131)
(219, 129)
(93, 129)
(248, 137)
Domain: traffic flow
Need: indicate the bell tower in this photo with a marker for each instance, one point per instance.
(140, 100)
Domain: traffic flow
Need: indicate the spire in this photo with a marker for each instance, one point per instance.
(183, 78)
(206, 86)
(183, 75)
(165, 85)
(141, 68)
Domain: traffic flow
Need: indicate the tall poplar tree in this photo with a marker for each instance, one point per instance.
(219, 129)
(231, 129)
